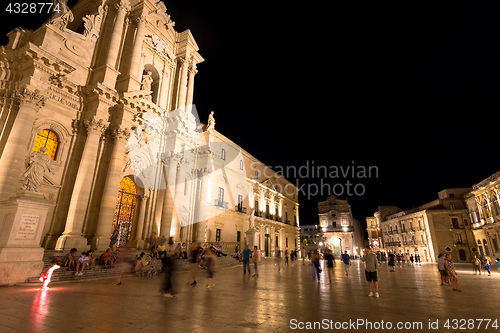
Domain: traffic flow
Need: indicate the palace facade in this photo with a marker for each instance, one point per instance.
(483, 203)
(98, 131)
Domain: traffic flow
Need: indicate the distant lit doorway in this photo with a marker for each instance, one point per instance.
(125, 210)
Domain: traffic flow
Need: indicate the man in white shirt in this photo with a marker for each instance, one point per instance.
(371, 270)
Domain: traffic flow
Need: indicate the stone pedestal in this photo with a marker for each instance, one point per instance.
(251, 238)
(22, 219)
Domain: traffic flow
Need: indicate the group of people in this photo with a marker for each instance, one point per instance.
(478, 262)
(87, 259)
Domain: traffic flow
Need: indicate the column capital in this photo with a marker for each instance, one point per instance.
(123, 5)
(31, 98)
(95, 125)
(121, 134)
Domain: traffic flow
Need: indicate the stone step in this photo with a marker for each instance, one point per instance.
(98, 271)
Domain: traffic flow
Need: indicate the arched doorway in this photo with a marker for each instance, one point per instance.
(462, 255)
(125, 209)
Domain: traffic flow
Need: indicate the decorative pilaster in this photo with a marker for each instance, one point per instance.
(72, 235)
(164, 87)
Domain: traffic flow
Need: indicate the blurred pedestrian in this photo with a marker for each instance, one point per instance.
(278, 258)
(166, 289)
(125, 262)
(246, 260)
(211, 265)
(330, 264)
(195, 251)
(315, 265)
(255, 258)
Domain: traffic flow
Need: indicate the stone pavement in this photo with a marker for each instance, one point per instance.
(274, 302)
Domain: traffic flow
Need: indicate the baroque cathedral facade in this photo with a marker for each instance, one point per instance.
(98, 131)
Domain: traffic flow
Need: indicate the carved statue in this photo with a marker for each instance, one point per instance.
(251, 219)
(39, 162)
(211, 121)
(147, 80)
(61, 14)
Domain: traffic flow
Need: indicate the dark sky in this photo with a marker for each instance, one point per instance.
(410, 88)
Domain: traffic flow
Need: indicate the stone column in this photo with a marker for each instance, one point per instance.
(116, 35)
(179, 196)
(190, 89)
(181, 100)
(110, 72)
(100, 241)
(136, 51)
(11, 165)
(168, 198)
(140, 222)
(201, 214)
(164, 87)
(72, 235)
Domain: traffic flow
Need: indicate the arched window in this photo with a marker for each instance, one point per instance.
(50, 140)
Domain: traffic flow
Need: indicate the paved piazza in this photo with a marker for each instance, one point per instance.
(274, 302)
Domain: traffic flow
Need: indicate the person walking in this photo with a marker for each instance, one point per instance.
(286, 256)
(391, 264)
(476, 262)
(166, 289)
(442, 269)
(255, 257)
(195, 253)
(370, 259)
(450, 267)
(487, 265)
(278, 258)
(412, 260)
(303, 254)
(246, 260)
(330, 264)
(398, 257)
(210, 264)
(347, 262)
(315, 265)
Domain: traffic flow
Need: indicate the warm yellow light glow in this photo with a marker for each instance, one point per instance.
(336, 241)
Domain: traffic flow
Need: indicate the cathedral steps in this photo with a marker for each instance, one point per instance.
(99, 272)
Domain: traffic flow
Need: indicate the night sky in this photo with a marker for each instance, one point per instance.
(409, 88)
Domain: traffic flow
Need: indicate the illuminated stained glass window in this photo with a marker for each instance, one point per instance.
(125, 209)
(49, 139)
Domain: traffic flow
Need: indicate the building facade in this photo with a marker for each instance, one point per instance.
(337, 229)
(99, 131)
(484, 210)
(374, 228)
(440, 226)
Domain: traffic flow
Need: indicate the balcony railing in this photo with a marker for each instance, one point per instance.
(240, 209)
(393, 244)
(221, 204)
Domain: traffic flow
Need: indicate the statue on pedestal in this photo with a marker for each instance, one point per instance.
(211, 121)
(147, 80)
(38, 163)
(251, 219)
